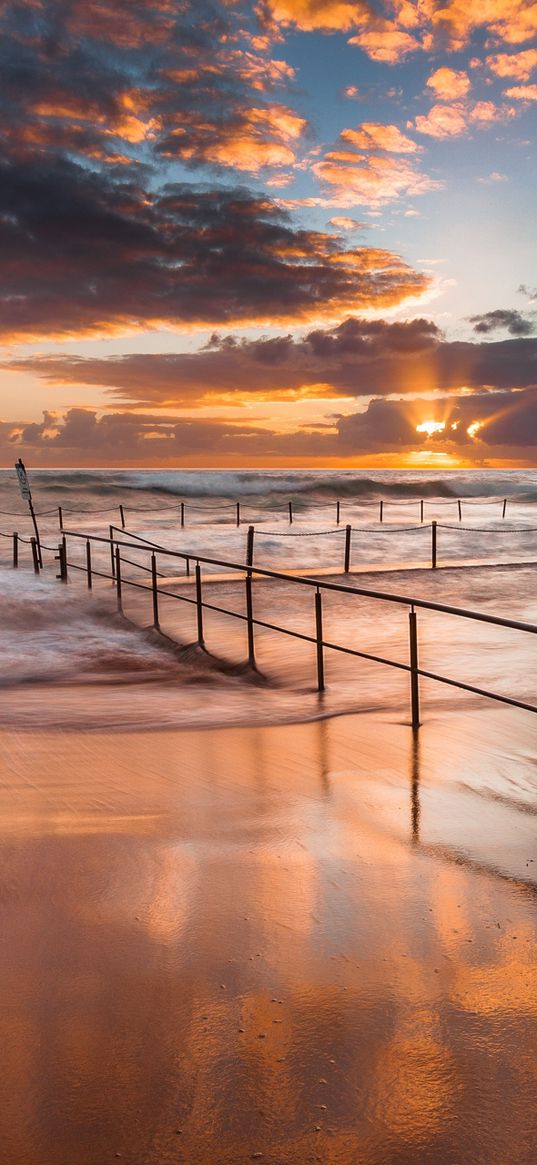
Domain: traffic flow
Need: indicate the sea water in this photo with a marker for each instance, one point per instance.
(69, 658)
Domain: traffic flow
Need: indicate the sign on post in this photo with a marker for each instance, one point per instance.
(26, 494)
(24, 484)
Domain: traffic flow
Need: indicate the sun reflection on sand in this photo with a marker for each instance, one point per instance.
(294, 957)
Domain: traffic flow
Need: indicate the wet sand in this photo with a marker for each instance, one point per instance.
(291, 944)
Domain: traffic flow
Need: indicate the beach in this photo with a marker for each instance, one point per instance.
(299, 943)
(244, 919)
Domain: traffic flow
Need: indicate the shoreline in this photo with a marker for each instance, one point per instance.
(298, 941)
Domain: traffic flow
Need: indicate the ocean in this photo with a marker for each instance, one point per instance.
(239, 922)
(70, 660)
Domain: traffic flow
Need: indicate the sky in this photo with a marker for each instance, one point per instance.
(284, 233)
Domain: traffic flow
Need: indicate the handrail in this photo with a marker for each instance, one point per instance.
(145, 546)
(302, 580)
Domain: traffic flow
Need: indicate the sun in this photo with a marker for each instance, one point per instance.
(431, 427)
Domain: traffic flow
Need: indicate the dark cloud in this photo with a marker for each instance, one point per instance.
(501, 424)
(503, 318)
(83, 436)
(356, 358)
(186, 80)
(506, 420)
(82, 252)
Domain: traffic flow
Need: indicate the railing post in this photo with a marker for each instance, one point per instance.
(348, 532)
(238, 509)
(63, 560)
(35, 554)
(504, 507)
(154, 587)
(199, 605)
(122, 516)
(338, 511)
(60, 517)
(319, 635)
(421, 510)
(381, 512)
(250, 546)
(250, 619)
(118, 578)
(460, 510)
(88, 565)
(414, 677)
(182, 515)
(433, 544)
(188, 567)
(112, 554)
(15, 549)
(290, 505)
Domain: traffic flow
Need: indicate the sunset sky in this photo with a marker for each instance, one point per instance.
(278, 233)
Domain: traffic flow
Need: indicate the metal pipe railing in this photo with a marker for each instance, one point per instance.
(116, 544)
(286, 506)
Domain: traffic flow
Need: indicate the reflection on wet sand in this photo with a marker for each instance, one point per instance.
(314, 943)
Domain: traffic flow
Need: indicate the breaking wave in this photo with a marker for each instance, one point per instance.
(178, 483)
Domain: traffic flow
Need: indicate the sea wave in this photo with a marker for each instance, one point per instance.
(403, 485)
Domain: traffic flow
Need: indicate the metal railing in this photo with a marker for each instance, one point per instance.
(238, 509)
(121, 552)
(254, 534)
(348, 532)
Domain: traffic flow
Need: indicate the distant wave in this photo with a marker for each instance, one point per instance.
(176, 484)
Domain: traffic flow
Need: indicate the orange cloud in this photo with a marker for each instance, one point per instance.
(449, 84)
(311, 16)
(260, 137)
(486, 112)
(370, 180)
(399, 27)
(372, 136)
(357, 174)
(344, 223)
(518, 65)
(455, 119)
(510, 21)
(522, 92)
(385, 43)
(442, 121)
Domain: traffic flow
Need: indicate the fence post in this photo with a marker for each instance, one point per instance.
(15, 549)
(112, 554)
(60, 517)
(381, 512)
(290, 504)
(433, 544)
(238, 507)
(319, 635)
(182, 515)
(35, 555)
(188, 567)
(199, 605)
(414, 677)
(421, 510)
(504, 507)
(59, 559)
(118, 579)
(122, 516)
(250, 546)
(338, 511)
(460, 510)
(347, 549)
(154, 586)
(250, 619)
(88, 564)
(63, 560)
